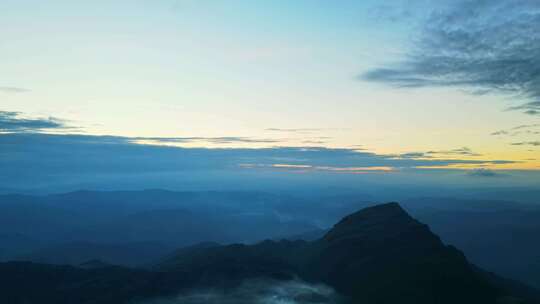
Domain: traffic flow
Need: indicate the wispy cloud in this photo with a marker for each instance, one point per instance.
(413, 155)
(226, 140)
(463, 151)
(500, 132)
(483, 172)
(485, 46)
(527, 143)
(387, 12)
(213, 140)
(15, 122)
(531, 108)
(13, 90)
(526, 126)
(310, 168)
(302, 130)
(519, 130)
(313, 142)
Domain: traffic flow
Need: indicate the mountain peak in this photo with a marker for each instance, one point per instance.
(373, 222)
(381, 254)
(381, 210)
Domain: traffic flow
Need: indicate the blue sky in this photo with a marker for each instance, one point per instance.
(443, 82)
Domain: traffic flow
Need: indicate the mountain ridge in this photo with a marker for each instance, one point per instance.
(379, 248)
(378, 255)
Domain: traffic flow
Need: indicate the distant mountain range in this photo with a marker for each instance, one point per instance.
(134, 228)
(50, 228)
(379, 254)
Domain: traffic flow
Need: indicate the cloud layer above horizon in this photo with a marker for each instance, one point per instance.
(147, 91)
(29, 159)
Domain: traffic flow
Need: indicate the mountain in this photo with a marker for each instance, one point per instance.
(117, 225)
(30, 283)
(382, 255)
(377, 255)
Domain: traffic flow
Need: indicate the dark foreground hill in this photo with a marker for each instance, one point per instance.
(377, 255)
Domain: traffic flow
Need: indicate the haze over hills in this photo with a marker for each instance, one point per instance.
(499, 240)
(134, 228)
(121, 219)
(376, 255)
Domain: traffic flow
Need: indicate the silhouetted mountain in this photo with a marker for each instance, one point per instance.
(306, 236)
(377, 255)
(30, 283)
(382, 248)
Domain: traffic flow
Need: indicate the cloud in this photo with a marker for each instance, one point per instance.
(257, 292)
(521, 129)
(213, 140)
(531, 108)
(527, 143)
(13, 90)
(223, 140)
(463, 151)
(14, 122)
(298, 130)
(390, 13)
(413, 155)
(308, 168)
(526, 126)
(314, 142)
(500, 132)
(483, 172)
(30, 157)
(26, 155)
(358, 147)
(302, 130)
(485, 46)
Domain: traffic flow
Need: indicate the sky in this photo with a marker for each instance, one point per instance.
(363, 87)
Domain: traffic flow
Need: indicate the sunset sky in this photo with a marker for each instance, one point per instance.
(407, 83)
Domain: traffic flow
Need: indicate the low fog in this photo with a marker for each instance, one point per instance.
(257, 292)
